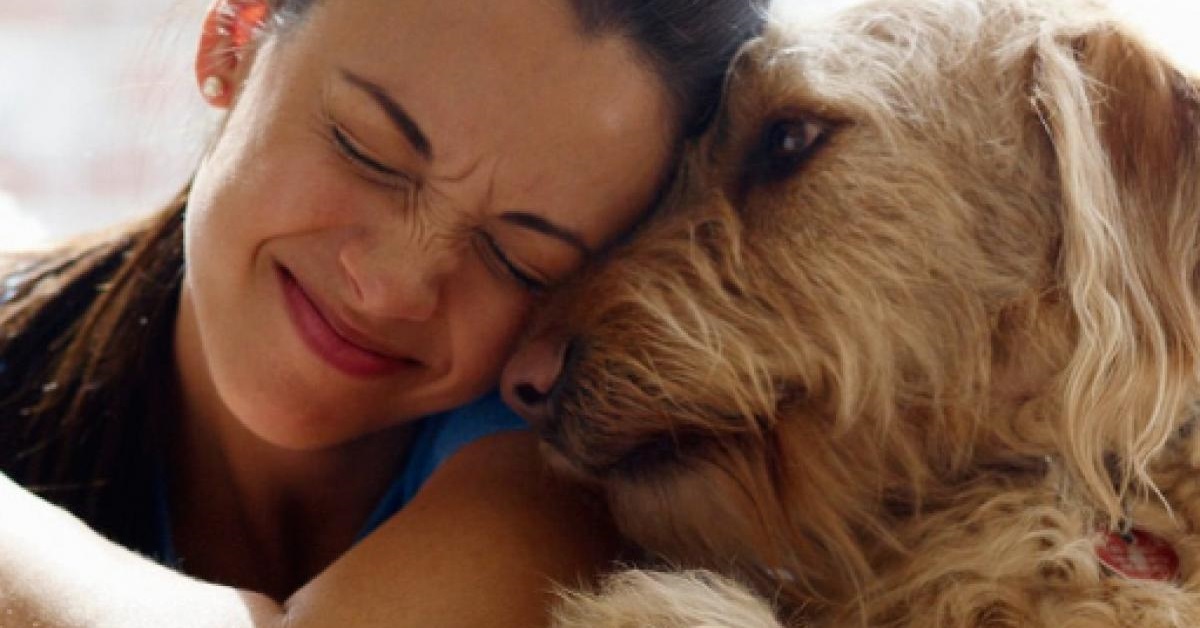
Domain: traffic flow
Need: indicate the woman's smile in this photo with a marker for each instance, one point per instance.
(334, 341)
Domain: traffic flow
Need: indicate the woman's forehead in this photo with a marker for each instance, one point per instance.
(559, 119)
(520, 31)
(517, 61)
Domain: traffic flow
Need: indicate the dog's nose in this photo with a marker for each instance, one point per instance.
(532, 376)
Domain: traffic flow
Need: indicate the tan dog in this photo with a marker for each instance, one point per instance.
(916, 335)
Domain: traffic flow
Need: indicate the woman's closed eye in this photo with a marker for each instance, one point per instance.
(359, 157)
(502, 265)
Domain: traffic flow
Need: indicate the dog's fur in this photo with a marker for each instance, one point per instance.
(903, 378)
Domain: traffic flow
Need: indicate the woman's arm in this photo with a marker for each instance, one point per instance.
(56, 572)
(481, 545)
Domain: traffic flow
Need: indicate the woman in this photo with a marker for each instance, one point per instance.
(393, 187)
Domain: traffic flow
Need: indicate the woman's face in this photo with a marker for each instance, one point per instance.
(394, 184)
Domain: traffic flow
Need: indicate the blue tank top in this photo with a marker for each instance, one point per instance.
(438, 437)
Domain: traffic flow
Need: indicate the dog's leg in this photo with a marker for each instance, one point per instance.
(649, 599)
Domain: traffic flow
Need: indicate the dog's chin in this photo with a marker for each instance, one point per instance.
(597, 464)
(566, 465)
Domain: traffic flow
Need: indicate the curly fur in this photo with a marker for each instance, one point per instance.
(905, 381)
(683, 599)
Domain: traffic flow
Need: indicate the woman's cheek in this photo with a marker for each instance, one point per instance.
(493, 332)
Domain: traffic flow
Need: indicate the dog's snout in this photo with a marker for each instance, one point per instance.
(534, 375)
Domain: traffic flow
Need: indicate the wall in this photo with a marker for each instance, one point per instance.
(100, 119)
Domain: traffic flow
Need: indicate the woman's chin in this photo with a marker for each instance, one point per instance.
(296, 421)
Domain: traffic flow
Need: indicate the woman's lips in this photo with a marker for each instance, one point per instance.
(325, 341)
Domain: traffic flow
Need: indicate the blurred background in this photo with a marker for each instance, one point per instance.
(99, 116)
(100, 119)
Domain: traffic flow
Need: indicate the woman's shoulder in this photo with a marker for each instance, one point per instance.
(485, 542)
(438, 438)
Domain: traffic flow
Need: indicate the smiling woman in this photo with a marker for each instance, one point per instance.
(280, 385)
(374, 193)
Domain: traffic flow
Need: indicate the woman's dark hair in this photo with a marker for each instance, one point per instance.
(689, 43)
(85, 349)
(86, 331)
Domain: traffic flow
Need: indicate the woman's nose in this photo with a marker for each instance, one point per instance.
(394, 285)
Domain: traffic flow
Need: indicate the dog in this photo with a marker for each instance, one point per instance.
(913, 341)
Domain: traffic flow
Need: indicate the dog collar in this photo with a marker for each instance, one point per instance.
(1137, 554)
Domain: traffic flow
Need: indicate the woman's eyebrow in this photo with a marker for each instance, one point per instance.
(541, 225)
(394, 111)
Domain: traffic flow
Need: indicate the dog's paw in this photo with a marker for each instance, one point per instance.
(655, 599)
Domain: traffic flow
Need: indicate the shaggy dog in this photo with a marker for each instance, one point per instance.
(915, 340)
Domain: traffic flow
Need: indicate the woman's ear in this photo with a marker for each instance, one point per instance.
(227, 41)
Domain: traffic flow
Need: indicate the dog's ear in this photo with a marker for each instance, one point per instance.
(1123, 124)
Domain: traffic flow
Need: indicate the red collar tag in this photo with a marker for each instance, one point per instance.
(1139, 556)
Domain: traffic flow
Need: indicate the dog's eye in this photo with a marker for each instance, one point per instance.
(787, 143)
